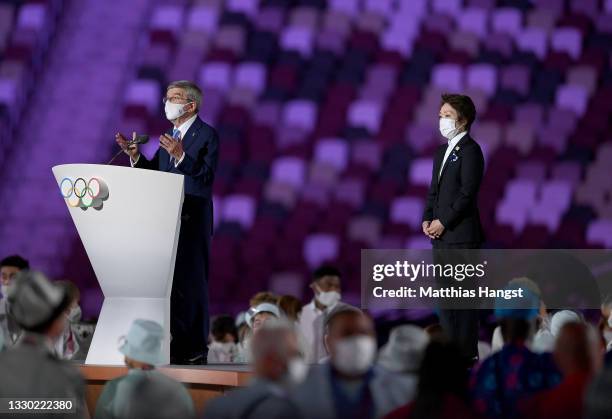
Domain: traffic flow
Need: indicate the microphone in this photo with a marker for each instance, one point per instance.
(140, 139)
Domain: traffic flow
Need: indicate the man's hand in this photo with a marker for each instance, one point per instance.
(172, 146)
(435, 229)
(130, 150)
(426, 225)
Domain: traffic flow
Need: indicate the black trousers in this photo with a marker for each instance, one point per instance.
(189, 318)
(460, 325)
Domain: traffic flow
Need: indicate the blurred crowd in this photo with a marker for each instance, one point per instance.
(319, 360)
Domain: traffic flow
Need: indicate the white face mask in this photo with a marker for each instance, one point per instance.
(5, 289)
(74, 315)
(297, 369)
(226, 350)
(355, 355)
(448, 128)
(607, 334)
(328, 298)
(174, 110)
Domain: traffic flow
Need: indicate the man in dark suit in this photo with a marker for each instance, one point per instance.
(190, 148)
(451, 218)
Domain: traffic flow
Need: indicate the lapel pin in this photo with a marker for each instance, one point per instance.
(457, 148)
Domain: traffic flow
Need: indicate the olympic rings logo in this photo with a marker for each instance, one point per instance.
(83, 193)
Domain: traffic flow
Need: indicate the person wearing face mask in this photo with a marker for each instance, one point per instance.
(224, 335)
(327, 293)
(31, 368)
(144, 392)
(349, 384)
(76, 338)
(278, 367)
(9, 267)
(190, 148)
(451, 218)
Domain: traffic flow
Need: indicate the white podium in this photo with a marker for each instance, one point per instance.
(128, 220)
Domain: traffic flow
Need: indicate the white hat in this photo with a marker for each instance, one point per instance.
(144, 342)
(561, 318)
(261, 308)
(35, 301)
(405, 349)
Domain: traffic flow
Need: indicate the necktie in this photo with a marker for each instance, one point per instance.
(176, 134)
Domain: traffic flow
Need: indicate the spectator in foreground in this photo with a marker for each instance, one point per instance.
(597, 400)
(9, 268)
(224, 334)
(144, 389)
(403, 354)
(76, 338)
(277, 365)
(513, 373)
(348, 385)
(578, 355)
(31, 368)
(327, 293)
(442, 388)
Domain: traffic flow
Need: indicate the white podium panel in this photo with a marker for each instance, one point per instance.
(129, 221)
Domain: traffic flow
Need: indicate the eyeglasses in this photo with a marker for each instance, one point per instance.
(175, 99)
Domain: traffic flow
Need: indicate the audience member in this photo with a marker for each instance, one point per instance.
(514, 372)
(597, 400)
(256, 318)
(291, 307)
(135, 392)
(76, 338)
(544, 340)
(327, 293)
(578, 356)
(348, 385)
(31, 368)
(277, 366)
(403, 354)
(442, 388)
(9, 267)
(224, 336)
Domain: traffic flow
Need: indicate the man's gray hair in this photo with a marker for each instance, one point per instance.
(192, 91)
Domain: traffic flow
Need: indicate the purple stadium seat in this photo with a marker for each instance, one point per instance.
(407, 210)
(287, 283)
(599, 232)
(416, 7)
(448, 76)
(328, 40)
(240, 209)
(246, 7)
(289, 170)
(507, 20)
(530, 113)
(420, 171)
(203, 19)
(586, 7)
(347, 7)
(216, 75)
(533, 40)
(231, 38)
(521, 136)
(280, 192)
(31, 17)
(418, 242)
(320, 248)
(364, 228)
(366, 114)
(534, 171)
(270, 19)
(555, 199)
(573, 97)
(567, 40)
(333, 151)
(250, 75)
(337, 22)
(501, 43)
(473, 20)
(370, 22)
(541, 19)
(167, 18)
(300, 114)
(306, 17)
(465, 42)
(144, 93)
(322, 175)
(482, 77)
(350, 191)
(382, 7)
(298, 39)
(567, 171)
(448, 7)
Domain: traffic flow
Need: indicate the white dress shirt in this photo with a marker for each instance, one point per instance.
(452, 143)
(183, 128)
(310, 327)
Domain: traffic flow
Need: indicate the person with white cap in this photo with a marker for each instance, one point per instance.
(255, 318)
(544, 340)
(349, 385)
(327, 293)
(278, 366)
(123, 396)
(9, 268)
(402, 355)
(31, 368)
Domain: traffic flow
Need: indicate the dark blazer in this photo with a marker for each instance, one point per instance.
(453, 198)
(201, 146)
